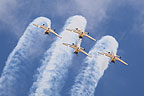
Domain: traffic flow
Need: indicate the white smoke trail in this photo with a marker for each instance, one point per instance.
(57, 61)
(18, 71)
(87, 80)
(79, 42)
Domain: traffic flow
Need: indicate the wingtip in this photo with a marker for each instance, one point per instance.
(68, 29)
(94, 39)
(35, 25)
(64, 43)
(125, 64)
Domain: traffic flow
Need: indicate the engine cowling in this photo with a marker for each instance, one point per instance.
(46, 33)
(75, 52)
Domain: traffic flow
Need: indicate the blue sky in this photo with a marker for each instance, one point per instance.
(120, 19)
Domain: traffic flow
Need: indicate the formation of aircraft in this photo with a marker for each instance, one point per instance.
(113, 57)
(81, 33)
(47, 30)
(77, 48)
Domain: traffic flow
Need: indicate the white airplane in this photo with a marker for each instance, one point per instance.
(113, 57)
(81, 33)
(47, 29)
(77, 48)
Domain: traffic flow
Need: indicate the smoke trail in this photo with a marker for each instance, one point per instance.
(87, 80)
(17, 75)
(57, 61)
(79, 42)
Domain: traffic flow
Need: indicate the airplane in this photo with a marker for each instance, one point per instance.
(81, 33)
(47, 29)
(113, 57)
(77, 48)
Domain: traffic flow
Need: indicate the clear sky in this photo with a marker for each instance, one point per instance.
(122, 19)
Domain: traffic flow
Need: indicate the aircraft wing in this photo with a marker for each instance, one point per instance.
(56, 34)
(36, 25)
(105, 54)
(44, 27)
(89, 37)
(72, 46)
(73, 30)
(121, 61)
(85, 52)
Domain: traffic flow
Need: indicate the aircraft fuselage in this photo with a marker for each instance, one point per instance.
(81, 35)
(76, 50)
(47, 30)
(113, 59)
